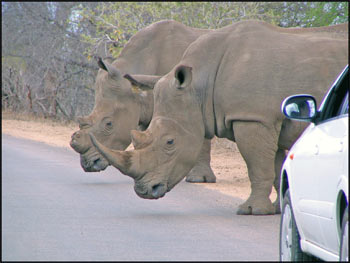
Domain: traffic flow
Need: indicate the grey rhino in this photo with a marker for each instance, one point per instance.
(117, 110)
(230, 83)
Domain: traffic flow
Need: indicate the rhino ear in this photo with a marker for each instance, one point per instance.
(183, 76)
(142, 82)
(112, 71)
(101, 64)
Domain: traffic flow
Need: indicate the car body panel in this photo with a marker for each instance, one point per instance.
(316, 172)
(317, 251)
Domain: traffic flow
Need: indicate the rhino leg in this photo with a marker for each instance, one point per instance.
(258, 146)
(202, 172)
(279, 159)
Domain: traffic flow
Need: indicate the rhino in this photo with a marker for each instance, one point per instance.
(117, 110)
(230, 84)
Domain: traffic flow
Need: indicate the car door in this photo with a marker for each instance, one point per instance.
(304, 184)
(316, 167)
(331, 148)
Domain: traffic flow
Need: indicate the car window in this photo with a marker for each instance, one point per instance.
(344, 109)
(337, 101)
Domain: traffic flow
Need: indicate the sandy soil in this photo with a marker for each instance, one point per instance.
(226, 161)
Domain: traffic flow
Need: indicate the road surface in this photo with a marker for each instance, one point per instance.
(53, 211)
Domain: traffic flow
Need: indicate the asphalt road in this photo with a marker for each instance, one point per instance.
(53, 210)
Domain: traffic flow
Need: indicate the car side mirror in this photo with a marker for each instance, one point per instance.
(300, 107)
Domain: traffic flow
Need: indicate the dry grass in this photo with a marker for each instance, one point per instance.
(28, 126)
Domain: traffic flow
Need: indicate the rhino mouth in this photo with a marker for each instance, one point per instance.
(93, 161)
(154, 191)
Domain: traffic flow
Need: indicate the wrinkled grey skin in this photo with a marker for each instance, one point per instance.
(117, 110)
(230, 83)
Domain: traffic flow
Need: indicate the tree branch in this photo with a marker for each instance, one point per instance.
(58, 104)
(77, 63)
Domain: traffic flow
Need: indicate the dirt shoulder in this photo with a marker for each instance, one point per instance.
(226, 161)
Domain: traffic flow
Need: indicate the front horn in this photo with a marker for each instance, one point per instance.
(125, 161)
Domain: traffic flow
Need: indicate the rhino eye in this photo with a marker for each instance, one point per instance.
(109, 124)
(170, 142)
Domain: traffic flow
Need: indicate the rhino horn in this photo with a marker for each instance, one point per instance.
(143, 82)
(122, 160)
(140, 139)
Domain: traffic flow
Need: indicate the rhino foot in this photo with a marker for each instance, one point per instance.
(255, 206)
(200, 174)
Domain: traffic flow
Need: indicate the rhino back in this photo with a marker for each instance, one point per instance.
(157, 48)
(334, 31)
(263, 66)
(243, 72)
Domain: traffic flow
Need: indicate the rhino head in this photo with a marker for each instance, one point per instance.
(170, 146)
(117, 111)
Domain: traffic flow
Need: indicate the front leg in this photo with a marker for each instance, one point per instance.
(258, 145)
(202, 172)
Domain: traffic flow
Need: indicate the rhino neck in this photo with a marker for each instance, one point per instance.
(205, 78)
(125, 65)
(204, 91)
(145, 101)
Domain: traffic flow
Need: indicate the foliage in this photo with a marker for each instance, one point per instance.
(313, 14)
(49, 49)
(326, 13)
(116, 22)
(44, 69)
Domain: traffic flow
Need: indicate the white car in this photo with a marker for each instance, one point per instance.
(314, 178)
